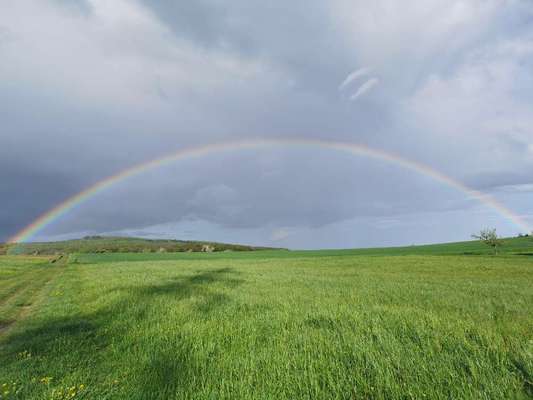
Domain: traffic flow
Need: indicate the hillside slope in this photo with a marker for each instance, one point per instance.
(109, 244)
(166, 249)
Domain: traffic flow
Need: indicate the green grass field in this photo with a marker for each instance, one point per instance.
(365, 324)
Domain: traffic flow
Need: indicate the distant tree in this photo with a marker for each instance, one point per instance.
(490, 238)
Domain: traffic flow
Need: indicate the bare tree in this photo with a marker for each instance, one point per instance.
(490, 238)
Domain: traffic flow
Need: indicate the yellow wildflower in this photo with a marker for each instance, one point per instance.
(46, 380)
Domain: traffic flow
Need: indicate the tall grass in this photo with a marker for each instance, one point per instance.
(278, 328)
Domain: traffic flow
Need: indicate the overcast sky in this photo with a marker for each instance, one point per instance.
(90, 87)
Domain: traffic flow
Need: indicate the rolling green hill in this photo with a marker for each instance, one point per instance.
(112, 244)
(132, 249)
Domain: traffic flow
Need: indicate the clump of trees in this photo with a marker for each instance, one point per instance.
(490, 238)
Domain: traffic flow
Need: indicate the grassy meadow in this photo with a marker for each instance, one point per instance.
(268, 325)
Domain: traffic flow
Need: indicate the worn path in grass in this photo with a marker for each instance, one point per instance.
(308, 327)
(23, 281)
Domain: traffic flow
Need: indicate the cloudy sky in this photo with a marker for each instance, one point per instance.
(90, 87)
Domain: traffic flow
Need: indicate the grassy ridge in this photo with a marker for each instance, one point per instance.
(300, 327)
(143, 249)
(110, 244)
(511, 246)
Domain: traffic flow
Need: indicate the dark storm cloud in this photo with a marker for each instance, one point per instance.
(268, 187)
(22, 187)
(90, 87)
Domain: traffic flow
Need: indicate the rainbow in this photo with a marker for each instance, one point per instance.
(356, 149)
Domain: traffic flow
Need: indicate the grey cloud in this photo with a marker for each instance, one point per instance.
(21, 187)
(301, 38)
(502, 178)
(206, 22)
(237, 192)
(160, 76)
(78, 7)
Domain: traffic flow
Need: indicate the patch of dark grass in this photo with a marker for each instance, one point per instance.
(321, 322)
(90, 337)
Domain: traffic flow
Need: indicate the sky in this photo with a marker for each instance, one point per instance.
(91, 87)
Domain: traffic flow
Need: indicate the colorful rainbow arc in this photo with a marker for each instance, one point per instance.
(356, 149)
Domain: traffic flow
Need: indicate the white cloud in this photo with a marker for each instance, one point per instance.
(117, 55)
(387, 29)
(483, 104)
(353, 76)
(364, 88)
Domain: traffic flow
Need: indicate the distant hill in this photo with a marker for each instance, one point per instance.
(115, 244)
(106, 244)
(510, 246)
